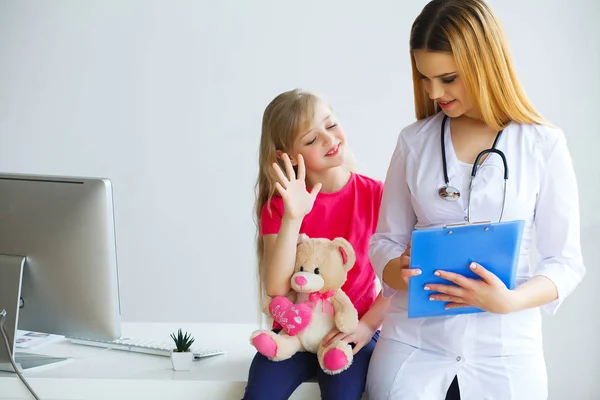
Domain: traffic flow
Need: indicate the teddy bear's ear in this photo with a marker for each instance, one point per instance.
(346, 251)
(303, 237)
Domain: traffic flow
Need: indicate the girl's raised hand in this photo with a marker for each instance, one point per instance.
(297, 200)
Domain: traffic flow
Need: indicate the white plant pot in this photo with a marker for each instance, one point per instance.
(182, 361)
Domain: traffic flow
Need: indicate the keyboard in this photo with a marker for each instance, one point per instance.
(143, 346)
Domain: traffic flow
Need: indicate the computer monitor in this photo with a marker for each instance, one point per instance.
(58, 260)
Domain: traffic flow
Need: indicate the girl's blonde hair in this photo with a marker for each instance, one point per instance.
(469, 31)
(288, 114)
(285, 117)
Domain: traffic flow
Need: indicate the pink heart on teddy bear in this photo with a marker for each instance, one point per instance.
(293, 318)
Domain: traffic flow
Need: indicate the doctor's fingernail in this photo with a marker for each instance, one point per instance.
(437, 273)
(427, 288)
(473, 265)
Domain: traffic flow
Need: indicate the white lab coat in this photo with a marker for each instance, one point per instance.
(494, 356)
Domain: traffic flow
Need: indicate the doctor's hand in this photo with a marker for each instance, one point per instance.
(397, 272)
(360, 337)
(488, 293)
(406, 273)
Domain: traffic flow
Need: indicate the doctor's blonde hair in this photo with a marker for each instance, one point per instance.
(287, 115)
(469, 30)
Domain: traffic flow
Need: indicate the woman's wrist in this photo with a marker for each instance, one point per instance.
(513, 301)
(537, 291)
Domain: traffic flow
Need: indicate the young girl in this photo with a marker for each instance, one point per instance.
(301, 136)
(468, 99)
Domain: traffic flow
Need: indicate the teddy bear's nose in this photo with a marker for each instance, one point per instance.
(300, 280)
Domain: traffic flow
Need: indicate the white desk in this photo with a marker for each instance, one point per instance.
(98, 374)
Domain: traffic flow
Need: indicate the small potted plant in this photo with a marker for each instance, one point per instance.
(182, 356)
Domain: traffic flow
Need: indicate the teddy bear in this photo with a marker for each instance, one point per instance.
(316, 304)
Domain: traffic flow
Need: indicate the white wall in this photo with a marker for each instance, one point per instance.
(165, 98)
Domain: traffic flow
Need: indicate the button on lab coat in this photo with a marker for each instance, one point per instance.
(494, 356)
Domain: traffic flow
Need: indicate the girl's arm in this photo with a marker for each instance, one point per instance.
(280, 256)
(374, 317)
(280, 250)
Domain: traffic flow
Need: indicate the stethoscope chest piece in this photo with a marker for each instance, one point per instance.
(449, 193)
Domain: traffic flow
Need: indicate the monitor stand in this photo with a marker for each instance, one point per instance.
(11, 277)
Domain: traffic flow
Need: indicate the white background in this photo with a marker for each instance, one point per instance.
(165, 98)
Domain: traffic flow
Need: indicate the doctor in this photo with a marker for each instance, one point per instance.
(468, 99)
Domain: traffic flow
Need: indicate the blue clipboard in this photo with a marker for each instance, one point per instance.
(496, 246)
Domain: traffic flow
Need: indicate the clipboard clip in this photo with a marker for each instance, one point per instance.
(467, 223)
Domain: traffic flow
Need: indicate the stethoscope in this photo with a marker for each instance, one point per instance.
(450, 193)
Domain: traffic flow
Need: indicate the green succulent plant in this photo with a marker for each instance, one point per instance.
(183, 342)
